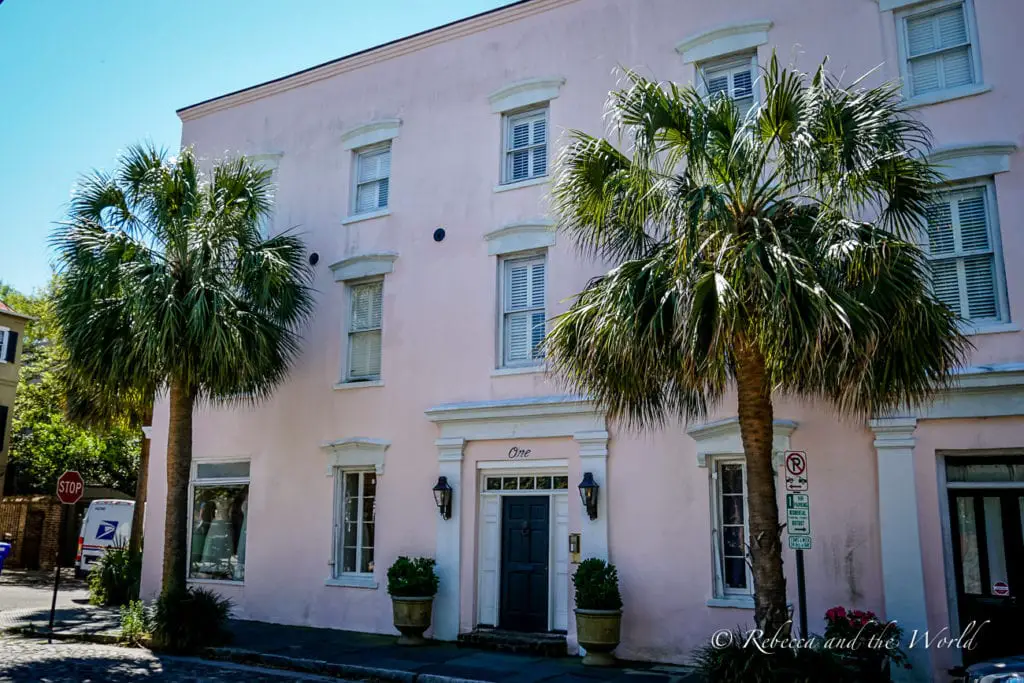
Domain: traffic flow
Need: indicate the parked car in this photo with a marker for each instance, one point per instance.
(106, 523)
(1006, 670)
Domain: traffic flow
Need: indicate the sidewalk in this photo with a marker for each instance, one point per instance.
(362, 655)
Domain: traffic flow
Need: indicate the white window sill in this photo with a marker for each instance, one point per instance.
(505, 187)
(733, 601)
(945, 96)
(369, 215)
(217, 582)
(991, 328)
(353, 581)
(344, 386)
(522, 370)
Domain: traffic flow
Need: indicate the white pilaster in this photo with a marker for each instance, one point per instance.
(902, 572)
(594, 459)
(449, 537)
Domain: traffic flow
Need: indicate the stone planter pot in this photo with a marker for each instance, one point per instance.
(412, 618)
(598, 632)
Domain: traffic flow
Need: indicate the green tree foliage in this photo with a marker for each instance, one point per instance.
(44, 442)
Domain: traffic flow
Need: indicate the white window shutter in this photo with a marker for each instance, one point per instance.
(365, 331)
(373, 180)
(939, 50)
(518, 337)
(518, 287)
(525, 318)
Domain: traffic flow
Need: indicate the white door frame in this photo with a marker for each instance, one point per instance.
(488, 607)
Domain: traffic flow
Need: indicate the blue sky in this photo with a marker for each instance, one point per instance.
(81, 79)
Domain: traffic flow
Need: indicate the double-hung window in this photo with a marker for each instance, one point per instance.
(355, 495)
(8, 345)
(730, 530)
(366, 318)
(963, 256)
(373, 178)
(936, 47)
(220, 506)
(526, 145)
(733, 77)
(523, 312)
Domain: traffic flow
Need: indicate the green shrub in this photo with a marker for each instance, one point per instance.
(135, 623)
(189, 620)
(733, 660)
(114, 579)
(412, 578)
(597, 585)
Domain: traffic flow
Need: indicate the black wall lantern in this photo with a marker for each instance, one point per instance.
(443, 497)
(588, 494)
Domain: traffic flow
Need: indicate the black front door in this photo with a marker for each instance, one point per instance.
(988, 554)
(524, 563)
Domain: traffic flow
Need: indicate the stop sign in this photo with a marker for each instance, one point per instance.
(70, 487)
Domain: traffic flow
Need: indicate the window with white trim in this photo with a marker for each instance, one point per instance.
(735, 77)
(366, 319)
(218, 520)
(267, 220)
(963, 256)
(373, 178)
(729, 527)
(523, 314)
(936, 48)
(355, 495)
(525, 146)
(8, 342)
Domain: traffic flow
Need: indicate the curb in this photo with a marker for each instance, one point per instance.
(33, 632)
(318, 666)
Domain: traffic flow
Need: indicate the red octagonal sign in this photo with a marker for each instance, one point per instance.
(70, 487)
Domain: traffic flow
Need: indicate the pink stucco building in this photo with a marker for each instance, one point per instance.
(418, 171)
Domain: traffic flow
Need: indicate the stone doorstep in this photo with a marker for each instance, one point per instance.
(324, 668)
(497, 640)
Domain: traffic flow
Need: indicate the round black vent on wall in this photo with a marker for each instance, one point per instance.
(439, 234)
(314, 258)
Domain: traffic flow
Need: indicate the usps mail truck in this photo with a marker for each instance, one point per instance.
(106, 523)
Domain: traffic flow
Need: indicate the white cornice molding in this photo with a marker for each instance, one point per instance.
(890, 5)
(357, 451)
(722, 437)
(370, 133)
(398, 48)
(521, 236)
(972, 160)
(724, 39)
(364, 265)
(541, 416)
(524, 93)
(894, 432)
(269, 160)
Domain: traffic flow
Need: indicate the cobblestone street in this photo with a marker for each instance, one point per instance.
(34, 660)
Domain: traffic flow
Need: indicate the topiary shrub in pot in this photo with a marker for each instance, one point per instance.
(412, 585)
(598, 610)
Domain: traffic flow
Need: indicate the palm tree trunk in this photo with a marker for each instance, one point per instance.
(179, 465)
(755, 418)
(135, 540)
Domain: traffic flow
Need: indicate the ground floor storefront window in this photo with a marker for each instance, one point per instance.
(220, 496)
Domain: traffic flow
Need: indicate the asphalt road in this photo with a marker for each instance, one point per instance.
(33, 590)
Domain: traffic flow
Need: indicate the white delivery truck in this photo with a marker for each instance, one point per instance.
(106, 523)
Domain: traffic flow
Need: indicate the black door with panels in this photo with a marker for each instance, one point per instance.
(988, 555)
(525, 534)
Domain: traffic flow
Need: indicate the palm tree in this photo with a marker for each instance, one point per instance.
(167, 283)
(773, 251)
(102, 408)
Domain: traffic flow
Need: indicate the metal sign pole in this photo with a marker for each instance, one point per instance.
(801, 592)
(61, 536)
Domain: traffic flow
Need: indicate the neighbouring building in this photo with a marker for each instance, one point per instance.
(12, 331)
(418, 171)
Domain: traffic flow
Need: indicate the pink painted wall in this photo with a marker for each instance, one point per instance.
(440, 313)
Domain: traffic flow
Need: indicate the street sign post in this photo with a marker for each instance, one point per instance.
(70, 489)
(798, 523)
